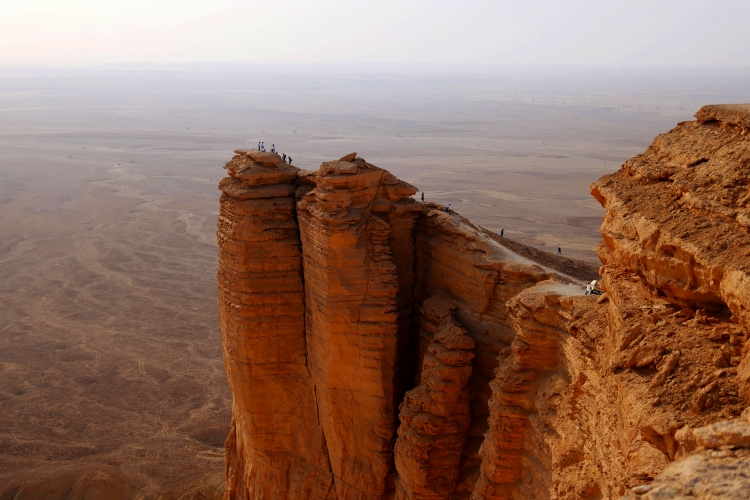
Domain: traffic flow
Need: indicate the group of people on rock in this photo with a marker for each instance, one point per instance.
(262, 149)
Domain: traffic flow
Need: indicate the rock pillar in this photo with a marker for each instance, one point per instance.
(276, 448)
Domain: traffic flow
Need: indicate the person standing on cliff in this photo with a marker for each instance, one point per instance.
(559, 251)
(502, 232)
(290, 160)
(283, 157)
(273, 148)
(258, 145)
(422, 196)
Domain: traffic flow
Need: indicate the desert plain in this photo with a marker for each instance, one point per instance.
(110, 349)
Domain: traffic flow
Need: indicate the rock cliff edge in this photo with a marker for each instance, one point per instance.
(378, 347)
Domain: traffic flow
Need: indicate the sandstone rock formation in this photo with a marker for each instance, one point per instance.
(321, 275)
(276, 446)
(686, 231)
(355, 226)
(381, 348)
(435, 415)
(718, 469)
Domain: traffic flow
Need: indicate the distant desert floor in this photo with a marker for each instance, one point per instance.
(110, 349)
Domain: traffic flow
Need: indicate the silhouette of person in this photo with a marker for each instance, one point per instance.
(258, 145)
(273, 148)
(422, 196)
(290, 160)
(559, 252)
(502, 232)
(283, 157)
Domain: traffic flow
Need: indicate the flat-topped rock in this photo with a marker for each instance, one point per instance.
(262, 157)
(260, 169)
(733, 114)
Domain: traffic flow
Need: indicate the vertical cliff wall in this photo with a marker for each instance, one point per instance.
(335, 287)
(355, 226)
(276, 448)
(378, 347)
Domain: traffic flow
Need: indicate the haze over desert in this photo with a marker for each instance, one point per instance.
(394, 250)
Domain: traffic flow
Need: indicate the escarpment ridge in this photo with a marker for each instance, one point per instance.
(378, 347)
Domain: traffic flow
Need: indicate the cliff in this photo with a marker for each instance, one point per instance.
(378, 347)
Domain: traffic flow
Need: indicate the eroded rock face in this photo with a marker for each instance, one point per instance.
(679, 216)
(354, 225)
(435, 415)
(382, 348)
(276, 446)
(321, 276)
(717, 469)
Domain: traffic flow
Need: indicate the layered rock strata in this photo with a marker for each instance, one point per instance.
(381, 348)
(435, 415)
(321, 274)
(354, 225)
(276, 447)
(679, 216)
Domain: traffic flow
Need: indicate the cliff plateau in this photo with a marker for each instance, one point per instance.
(378, 347)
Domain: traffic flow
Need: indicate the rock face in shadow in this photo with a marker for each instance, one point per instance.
(378, 347)
(435, 415)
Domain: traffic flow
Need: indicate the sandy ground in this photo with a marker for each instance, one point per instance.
(110, 351)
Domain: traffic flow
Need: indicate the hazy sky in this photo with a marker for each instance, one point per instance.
(622, 32)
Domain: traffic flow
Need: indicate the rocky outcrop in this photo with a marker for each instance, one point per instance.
(276, 447)
(435, 415)
(687, 231)
(321, 273)
(382, 348)
(717, 469)
(355, 225)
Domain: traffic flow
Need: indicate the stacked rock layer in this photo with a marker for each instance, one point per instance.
(381, 348)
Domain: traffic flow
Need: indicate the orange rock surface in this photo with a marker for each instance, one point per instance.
(353, 225)
(321, 276)
(378, 347)
(435, 415)
(276, 446)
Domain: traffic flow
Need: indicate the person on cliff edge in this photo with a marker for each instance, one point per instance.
(422, 196)
(559, 251)
(283, 157)
(290, 160)
(502, 232)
